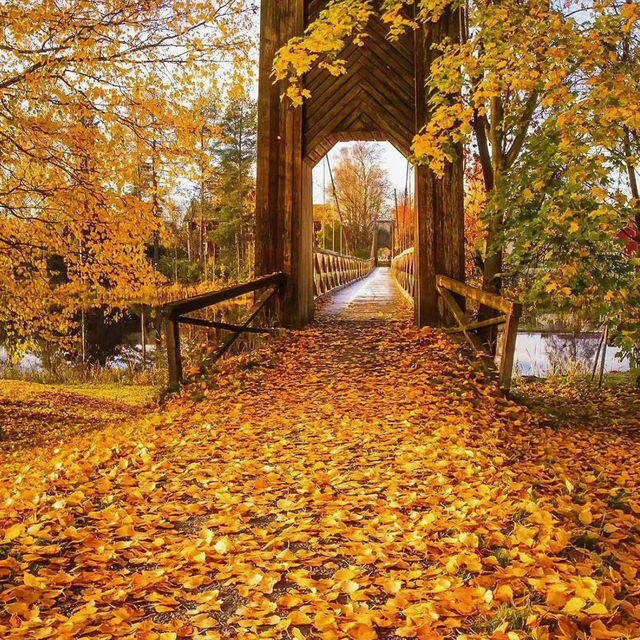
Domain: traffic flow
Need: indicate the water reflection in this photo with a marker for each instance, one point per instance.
(542, 354)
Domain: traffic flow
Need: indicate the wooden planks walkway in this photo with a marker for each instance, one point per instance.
(375, 298)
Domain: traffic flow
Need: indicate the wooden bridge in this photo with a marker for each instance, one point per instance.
(352, 289)
(381, 97)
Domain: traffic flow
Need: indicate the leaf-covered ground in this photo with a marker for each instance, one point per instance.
(352, 481)
(39, 415)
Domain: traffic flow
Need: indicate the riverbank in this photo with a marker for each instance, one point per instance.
(578, 402)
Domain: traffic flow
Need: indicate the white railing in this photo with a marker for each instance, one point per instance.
(332, 270)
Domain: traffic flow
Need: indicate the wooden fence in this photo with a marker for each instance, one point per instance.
(402, 268)
(176, 313)
(452, 293)
(509, 313)
(332, 270)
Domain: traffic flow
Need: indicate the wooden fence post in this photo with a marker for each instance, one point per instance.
(172, 332)
(509, 347)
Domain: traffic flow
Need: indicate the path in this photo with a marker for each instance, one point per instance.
(377, 297)
(349, 481)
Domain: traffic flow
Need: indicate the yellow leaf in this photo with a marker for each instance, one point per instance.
(597, 609)
(299, 618)
(504, 593)
(323, 621)
(556, 597)
(574, 606)
(223, 545)
(361, 631)
(203, 621)
(392, 586)
(585, 516)
(13, 532)
(600, 632)
(32, 581)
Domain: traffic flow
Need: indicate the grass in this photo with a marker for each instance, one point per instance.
(577, 402)
(132, 395)
(515, 620)
(34, 415)
(502, 556)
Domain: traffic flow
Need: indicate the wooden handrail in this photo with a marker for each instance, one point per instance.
(403, 270)
(328, 252)
(195, 303)
(479, 295)
(511, 314)
(174, 315)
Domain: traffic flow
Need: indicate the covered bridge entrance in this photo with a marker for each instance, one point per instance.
(381, 97)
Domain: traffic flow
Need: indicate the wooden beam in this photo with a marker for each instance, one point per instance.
(208, 324)
(509, 347)
(284, 225)
(478, 325)
(255, 310)
(175, 309)
(479, 295)
(463, 320)
(174, 356)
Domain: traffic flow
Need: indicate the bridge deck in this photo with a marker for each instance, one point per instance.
(377, 297)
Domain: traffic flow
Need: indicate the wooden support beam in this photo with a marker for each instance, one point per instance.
(509, 347)
(462, 319)
(478, 325)
(512, 312)
(172, 314)
(255, 310)
(284, 217)
(439, 242)
(195, 303)
(479, 295)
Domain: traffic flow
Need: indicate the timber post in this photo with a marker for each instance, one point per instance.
(174, 354)
(439, 200)
(284, 215)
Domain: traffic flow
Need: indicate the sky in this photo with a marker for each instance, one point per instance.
(392, 161)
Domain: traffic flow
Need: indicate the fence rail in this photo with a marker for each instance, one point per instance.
(508, 314)
(402, 268)
(332, 270)
(176, 313)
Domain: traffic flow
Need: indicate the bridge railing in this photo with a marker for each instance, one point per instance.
(507, 314)
(177, 313)
(402, 268)
(332, 270)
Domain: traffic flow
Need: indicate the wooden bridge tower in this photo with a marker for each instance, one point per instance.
(382, 97)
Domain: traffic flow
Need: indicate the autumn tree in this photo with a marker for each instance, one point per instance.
(362, 192)
(85, 90)
(475, 233)
(235, 186)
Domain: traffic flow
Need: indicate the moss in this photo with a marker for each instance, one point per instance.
(502, 556)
